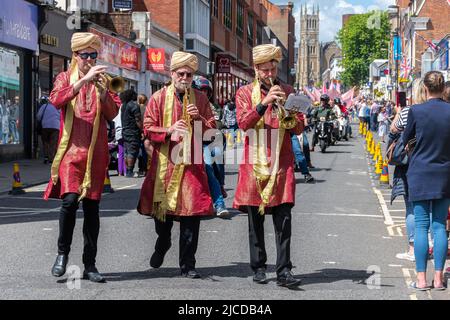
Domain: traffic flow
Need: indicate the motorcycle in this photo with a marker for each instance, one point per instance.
(323, 133)
(343, 127)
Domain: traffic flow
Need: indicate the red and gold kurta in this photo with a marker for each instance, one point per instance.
(73, 165)
(194, 197)
(247, 118)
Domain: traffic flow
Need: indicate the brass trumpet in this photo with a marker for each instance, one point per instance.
(116, 84)
(287, 119)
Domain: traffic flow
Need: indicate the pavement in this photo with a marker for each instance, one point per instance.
(32, 172)
(344, 241)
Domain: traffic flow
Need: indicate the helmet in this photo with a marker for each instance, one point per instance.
(201, 83)
(337, 100)
(325, 98)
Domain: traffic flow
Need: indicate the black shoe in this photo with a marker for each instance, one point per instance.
(191, 274)
(287, 280)
(260, 276)
(157, 259)
(59, 268)
(309, 178)
(297, 168)
(311, 166)
(93, 275)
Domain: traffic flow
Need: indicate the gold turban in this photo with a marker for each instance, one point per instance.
(84, 40)
(265, 53)
(183, 59)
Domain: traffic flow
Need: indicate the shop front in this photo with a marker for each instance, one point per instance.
(18, 44)
(123, 58)
(228, 79)
(54, 50)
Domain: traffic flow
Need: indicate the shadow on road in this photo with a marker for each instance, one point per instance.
(336, 152)
(335, 275)
(302, 180)
(235, 269)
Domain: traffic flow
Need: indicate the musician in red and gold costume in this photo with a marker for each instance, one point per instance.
(266, 181)
(79, 167)
(176, 186)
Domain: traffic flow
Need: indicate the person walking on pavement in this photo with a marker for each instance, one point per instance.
(50, 118)
(79, 167)
(263, 189)
(429, 177)
(131, 129)
(121, 165)
(177, 189)
(143, 156)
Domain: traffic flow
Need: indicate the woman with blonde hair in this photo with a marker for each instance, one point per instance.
(400, 181)
(429, 177)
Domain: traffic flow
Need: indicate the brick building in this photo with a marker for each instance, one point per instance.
(422, 21)
(281, 21)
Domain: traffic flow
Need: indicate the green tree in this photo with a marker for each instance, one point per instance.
(364, 39)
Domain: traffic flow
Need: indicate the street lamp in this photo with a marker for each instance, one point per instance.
(394, 16)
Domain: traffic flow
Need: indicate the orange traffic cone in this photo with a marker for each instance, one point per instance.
(384, 178)
(17, 187)
(107, 188)
(379, 167)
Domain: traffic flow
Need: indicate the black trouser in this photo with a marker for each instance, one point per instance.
(281, 216)
(189, 230)
(91, 226)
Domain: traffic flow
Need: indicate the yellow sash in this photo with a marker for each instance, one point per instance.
(64, 143)
(166, 199)
(261, 165)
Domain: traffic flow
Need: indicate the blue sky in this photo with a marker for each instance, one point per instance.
(331, 13)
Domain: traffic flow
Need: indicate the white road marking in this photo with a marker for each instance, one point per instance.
(332, 235)
(47, 229)
(395, 265)
(387, 215)
(329, 262)
(386, 237)
(34, 198)
(213, 231)
(408, 280)
(397, 210)
(126, 187)
(339, 214)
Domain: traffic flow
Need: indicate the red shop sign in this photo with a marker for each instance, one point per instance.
(223, 64)
(158, 60)
(118, 52)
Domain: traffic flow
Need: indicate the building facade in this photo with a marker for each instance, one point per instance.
(281, 21)
(309, 48)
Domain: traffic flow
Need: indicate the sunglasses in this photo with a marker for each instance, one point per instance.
(182, 74)
(85, 55)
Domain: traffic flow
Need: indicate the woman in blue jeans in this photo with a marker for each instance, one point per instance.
(429, 177)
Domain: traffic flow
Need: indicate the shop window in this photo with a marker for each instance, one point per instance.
(250, 30)
(10, 102)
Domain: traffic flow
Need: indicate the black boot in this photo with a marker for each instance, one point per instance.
(59, 268)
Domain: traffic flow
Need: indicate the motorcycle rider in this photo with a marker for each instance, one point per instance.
(325, 111)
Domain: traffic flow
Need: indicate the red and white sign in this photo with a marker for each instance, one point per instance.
(156, 59)
(223, 64)
(118, 52)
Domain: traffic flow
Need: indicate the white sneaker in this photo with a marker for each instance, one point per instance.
(406, 256)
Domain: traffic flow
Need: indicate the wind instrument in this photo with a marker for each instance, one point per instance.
(187, 118)
(116, 84)
(287, 119)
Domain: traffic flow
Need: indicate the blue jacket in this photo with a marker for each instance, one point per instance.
(429, 166)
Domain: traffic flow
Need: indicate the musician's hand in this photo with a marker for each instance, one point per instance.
(274, 94)
(179, 126)
(192, 110)
(103, 85)
(94, 73)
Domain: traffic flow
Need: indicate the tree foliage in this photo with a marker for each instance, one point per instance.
(364, 39)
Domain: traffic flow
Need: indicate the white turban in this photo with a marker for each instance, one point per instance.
(266, 53)
(183, 59)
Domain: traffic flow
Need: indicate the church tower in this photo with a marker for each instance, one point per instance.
(308, 64)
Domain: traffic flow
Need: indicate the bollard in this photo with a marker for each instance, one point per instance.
(17, 187)
(384, 178)
(107, 188)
